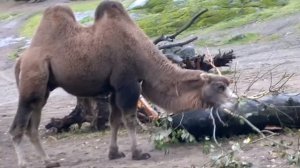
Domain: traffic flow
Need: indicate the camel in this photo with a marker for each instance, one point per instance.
(112, 56)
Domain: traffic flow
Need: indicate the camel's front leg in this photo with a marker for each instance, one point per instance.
(127, 95)
(115, 120)
(130, 120)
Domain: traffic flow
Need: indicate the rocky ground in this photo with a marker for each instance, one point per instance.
(90, 149)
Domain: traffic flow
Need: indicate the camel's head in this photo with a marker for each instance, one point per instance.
(215, 91)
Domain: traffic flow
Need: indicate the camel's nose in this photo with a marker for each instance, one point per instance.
(230, 94)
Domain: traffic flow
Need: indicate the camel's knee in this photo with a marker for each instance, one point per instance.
(21, 120)
(115, 117)
(130, 119)
(17, 137)
(32, 134)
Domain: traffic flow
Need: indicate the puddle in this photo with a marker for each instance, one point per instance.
(10, 40)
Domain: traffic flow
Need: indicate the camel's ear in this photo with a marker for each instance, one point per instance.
(204, 77)
(192, 84)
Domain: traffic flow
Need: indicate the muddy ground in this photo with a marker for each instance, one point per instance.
(90, 149)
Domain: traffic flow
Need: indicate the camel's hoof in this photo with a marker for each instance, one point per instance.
(52, 164)
(138, 155)
(115, 155)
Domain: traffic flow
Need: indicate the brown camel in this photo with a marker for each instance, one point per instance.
(111, 56)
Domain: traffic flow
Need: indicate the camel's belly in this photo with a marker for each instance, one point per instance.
(87, 90)
(89, 81)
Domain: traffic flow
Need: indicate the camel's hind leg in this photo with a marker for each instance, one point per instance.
(126, 99)
(32, 131)
(17, 131)
(33, 93)
(27, 121)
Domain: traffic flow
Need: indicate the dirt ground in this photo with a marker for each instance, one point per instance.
(83, 150)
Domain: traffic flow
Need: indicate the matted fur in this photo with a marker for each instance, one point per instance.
(111, 56)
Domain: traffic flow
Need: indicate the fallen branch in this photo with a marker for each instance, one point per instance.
(177, 44)
(173, 36)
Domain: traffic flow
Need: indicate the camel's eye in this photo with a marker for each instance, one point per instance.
(220, 87)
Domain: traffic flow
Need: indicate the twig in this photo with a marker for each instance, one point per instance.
(177, 44)
(231, 151)
(180, 123)
(236, 79)
(214, 124)
(256, 129)
(218, 115)
(245, 120)
(210, 61)
(280, 87)
(257, 77)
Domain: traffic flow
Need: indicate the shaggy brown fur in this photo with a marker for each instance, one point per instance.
(111, 56)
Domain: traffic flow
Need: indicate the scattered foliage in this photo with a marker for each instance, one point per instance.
(166, 135)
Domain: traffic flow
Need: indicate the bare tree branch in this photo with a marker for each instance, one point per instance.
(173, 36)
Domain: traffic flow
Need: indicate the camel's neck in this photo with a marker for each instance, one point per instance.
(165, 84)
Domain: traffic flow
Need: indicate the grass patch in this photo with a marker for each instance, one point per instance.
(31, 25)
(16, 54)
(243, 39)
(13, 55)
(7, 16)
(169, 16)
(84, 6)
(238, 39)
(247, 38)
(87, 19)
(262, 14)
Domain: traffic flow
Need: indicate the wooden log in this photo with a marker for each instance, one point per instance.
(94, 110)
(282, 110)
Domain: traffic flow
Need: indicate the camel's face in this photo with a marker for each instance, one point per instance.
(216, 92)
